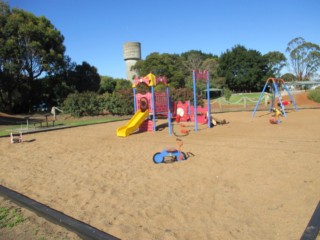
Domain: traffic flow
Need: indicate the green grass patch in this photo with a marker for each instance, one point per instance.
(88, 122)
(10, 217)
(5, 131)
(236, 97)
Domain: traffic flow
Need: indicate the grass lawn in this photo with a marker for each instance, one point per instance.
(238, 98)
(5, 129)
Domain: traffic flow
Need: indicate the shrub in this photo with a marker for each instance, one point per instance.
(120, 103)
(103, 102)
(314, 95)
(227, 93)
(82, 104)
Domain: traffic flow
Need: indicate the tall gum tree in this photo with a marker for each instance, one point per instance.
(305, 58)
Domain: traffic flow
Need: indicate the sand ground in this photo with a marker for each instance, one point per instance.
(249, 179)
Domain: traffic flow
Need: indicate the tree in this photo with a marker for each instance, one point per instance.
(211, 64)
(275, 61)
(59, 85)
(197, 60)
(244, 70)
(30, 47)
(305, 58)
(177, 68)
(193, 60)
(165, 64)
(35, 42)
(85, 78)
(8, 84)
(288, 77)
(107, 84)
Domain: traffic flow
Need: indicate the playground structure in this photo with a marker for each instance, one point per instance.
(196, 114)
(185, 111)
(275, 84)
(147, 106)
(204, 76)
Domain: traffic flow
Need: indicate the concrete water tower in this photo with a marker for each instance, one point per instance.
(131, 54)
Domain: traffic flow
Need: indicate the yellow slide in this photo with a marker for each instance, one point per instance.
(133, 123)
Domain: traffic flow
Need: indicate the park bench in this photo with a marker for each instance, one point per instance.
(45, 121)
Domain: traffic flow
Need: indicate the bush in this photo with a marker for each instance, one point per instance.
(91, 104)
(82, 104)
(120, 103)
(227, 93)
(314, 95)
(103, 102)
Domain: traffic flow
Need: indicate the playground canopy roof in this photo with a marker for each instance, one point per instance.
(150, 80)
(214, 92)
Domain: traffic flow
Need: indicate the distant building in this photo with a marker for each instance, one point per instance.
(303, 85)
(131, 54)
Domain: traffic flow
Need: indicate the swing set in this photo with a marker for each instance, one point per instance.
(275, 84)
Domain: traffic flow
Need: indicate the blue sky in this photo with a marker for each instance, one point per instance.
(96, 30)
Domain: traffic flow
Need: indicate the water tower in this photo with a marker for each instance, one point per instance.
(131, 54)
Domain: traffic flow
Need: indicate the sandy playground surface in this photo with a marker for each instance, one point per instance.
(248, 179)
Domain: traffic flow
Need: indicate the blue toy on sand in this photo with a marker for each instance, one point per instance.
(170, 155)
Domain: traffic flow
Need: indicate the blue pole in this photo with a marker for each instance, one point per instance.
(153, 109)
(168, 98)
(257, 105)
(291, 98)
(134, 100)
(208, 99)
(279, 98)
(169, 111)
(195, 101)
(169, 123)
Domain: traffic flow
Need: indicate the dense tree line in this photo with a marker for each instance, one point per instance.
(34, 67)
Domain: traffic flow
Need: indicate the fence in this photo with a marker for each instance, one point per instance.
(243, 104)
